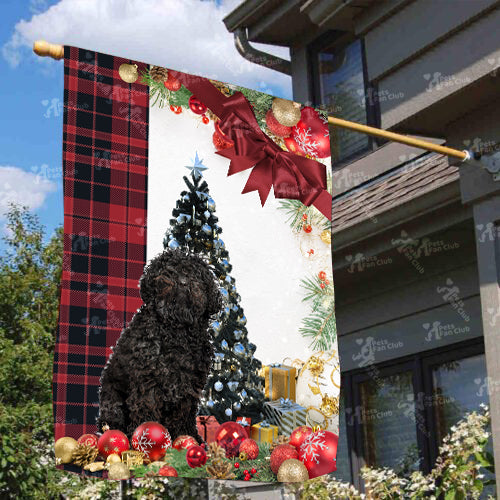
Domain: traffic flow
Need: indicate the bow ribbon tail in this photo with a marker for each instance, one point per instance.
(261, 180)
(324, 204)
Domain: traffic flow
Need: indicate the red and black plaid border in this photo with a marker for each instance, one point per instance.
(105, 161)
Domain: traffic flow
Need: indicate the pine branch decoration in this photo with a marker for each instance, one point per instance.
(84, 454)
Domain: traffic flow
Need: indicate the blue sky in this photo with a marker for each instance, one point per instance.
(165, 32)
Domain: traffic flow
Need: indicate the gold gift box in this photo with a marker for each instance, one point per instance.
(264, 434)
(280, 381)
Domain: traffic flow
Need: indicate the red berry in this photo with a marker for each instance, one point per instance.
(245, 472)
(322, 285)
(327, 282)
(322, 275)
(176, 109)
(205, 119)
(307, 228)
(253, 471)
(237, 465)
(246, 478)
(304, 217)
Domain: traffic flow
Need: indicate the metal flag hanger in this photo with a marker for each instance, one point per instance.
(490, 162)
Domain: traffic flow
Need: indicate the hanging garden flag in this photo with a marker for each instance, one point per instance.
(196, 330)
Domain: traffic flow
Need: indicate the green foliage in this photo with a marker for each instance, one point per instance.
(320, 324)
(160, 96)
(295, 211)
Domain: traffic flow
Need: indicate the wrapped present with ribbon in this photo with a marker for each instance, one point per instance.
(280, 381)
(286, 414)
(246, 423)
(264, 432)
(207, 427)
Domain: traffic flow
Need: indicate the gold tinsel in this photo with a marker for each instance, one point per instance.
(292, 471)
(220, 469)
(279, 440)
(215, 451)
(222, 87)
(84, 454)
(326, 237)
(95, 466)
(118, 470)
(158, 74)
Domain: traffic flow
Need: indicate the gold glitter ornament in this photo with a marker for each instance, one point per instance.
(113, 459)
(315, 365)
(118, 470)
(329, 406)
(292, 471)
(128, 72)
(286, 112)
(326, 237)
(64, 449)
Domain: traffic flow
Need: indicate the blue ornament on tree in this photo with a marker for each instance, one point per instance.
(188, 237)
(211, 205)
(173, 244)
(237, 406)
(218, 386)
(224, 344)
(233, 385)
(206, 229)
(228, 412)
(239, 349)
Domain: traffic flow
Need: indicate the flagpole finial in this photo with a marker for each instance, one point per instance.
(46, 49)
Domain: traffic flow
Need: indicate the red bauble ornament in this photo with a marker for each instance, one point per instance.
(237, 465)
(205, 119)
(250, 447)
(221, 141)
(311, 134)
(319, 453)
(322, 275)
(298, 436)
(196, 456)
(171, 83)
(253, 471)
(112, 441)
(196, 106)
(89, 440)
(275, 126)
(230, 436)
(168, 471)
(322, 285)
(307, 228)
(246, 478)
(281, 453)
(292, 146)
(152, 439)
(176, 109)
(184, 442)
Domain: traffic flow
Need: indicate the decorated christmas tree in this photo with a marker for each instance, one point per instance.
(234, 387)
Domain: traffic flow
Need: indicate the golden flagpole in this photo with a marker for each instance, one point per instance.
(45, 49)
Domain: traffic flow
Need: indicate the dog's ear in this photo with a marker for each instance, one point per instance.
(146, 287)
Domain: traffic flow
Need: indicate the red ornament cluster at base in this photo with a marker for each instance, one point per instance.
(89, 440)
(230, 436)
(152, 439)
(112, 441)
(318, 452)
(250, 447)
(168, 471)
(298, 436)
(196, 456)
(184, 442)
(281, 453)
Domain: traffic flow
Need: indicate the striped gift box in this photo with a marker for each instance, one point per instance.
(286, 414)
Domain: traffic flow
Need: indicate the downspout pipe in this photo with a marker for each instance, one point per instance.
(257, 56)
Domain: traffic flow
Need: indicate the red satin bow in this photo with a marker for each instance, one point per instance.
(291, 176)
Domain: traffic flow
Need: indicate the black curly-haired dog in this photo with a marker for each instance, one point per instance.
(160, 363)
